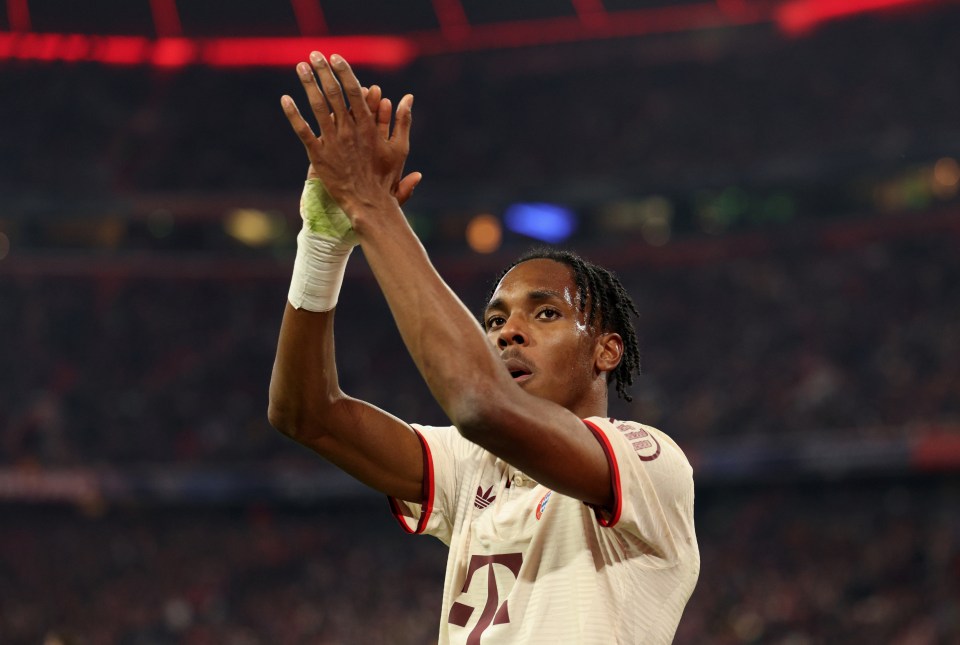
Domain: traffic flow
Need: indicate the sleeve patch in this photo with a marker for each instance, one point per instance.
(644, 444)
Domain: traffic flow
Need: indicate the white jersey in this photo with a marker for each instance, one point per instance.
(528, 565)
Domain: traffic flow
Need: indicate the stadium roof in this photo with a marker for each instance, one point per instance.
(378, 33)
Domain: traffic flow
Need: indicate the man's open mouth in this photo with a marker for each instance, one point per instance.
(519, 369)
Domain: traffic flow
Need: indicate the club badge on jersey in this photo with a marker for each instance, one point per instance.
(543, 503)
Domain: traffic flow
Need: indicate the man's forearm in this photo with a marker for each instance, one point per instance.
(443, 338)
(304, 378)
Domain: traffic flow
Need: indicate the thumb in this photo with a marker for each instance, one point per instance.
(406, 186)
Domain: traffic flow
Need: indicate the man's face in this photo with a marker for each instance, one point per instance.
(534, 321)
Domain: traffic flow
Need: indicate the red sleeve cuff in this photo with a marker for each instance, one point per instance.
(608, 516)
(427, 494)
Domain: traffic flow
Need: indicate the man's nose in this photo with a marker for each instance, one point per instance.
(512, 333)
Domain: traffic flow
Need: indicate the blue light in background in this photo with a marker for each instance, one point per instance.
(547, 222)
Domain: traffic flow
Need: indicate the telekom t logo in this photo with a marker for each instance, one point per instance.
(493, 612)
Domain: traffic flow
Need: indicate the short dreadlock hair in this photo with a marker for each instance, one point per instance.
(603, 300)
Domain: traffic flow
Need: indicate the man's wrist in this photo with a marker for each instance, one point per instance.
(323, 216)
(324, 245)
(318, 272)
(371, 217)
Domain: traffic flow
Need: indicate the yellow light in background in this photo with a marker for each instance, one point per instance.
(656, 229)
(947, 172)
(627, 216)
(110, 232)
(484, 233)
(621, 216)
(886, 197)
(104, 232)
(946, 178)
(657, 217)
(253, 226)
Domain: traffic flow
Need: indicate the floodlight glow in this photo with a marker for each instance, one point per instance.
(547, 222)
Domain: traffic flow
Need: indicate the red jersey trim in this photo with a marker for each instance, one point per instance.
(427, 492)
(603, 517)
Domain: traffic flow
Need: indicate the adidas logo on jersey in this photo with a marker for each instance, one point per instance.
(484, 499)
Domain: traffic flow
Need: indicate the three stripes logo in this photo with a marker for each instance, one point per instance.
(484, 499)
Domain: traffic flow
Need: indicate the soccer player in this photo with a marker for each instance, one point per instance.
(564, 526)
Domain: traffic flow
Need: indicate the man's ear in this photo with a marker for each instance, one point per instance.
(609, 352)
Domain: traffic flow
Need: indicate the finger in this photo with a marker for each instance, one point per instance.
(406, 186)
(383, 118)
(372, 97)
(318, 104)
(351, 86)
(401, 129)
(297, 122)
(328, 83)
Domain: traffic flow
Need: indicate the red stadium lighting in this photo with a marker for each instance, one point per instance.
(380, 52)
(119, 50)
(174, 52)
(800, 16)
(591, 20)
(41, 46)
(75, 47)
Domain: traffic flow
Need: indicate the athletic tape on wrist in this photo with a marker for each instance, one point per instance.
(323, 216)
(324, 245)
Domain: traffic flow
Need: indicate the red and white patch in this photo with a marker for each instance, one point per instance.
(543, 503)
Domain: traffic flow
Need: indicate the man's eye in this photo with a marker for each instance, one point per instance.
(494, 320)
(549, 313)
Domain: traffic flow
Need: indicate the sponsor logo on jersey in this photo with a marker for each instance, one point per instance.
(484, 498)
(494, 612)
(543, 503)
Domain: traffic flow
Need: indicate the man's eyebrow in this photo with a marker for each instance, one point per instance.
(545, 294)
(537, 295)
(496, 303)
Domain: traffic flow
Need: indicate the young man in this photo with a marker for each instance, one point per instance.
(563, 525)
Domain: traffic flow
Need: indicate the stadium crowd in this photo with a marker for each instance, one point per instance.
(871, 562)
(130, 371)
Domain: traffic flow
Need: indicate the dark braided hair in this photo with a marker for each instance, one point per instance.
(609, 305)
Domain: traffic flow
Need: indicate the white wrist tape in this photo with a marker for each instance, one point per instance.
(323, 246)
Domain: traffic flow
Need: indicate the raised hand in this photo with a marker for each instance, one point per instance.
(356, 155)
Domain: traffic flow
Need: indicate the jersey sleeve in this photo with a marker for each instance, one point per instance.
(442, 465)
(652, 485)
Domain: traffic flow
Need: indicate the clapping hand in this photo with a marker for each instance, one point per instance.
(356, 155)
